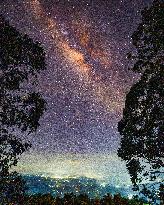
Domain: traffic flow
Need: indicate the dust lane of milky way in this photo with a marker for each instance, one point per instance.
(86, 79)
(76, 56)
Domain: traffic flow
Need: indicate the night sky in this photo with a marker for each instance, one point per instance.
(87, 76)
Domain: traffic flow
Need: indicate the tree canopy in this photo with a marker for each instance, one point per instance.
(142, 125)
(21, 108)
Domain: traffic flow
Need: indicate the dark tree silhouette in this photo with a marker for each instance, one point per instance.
(142, 125)
(81, 199)
(21, 108)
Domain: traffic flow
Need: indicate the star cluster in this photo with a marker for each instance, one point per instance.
(87, 74)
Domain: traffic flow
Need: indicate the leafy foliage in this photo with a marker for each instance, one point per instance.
(82, 199)
(142, 125)
(148, 39)
(12, 189)
(21, 108)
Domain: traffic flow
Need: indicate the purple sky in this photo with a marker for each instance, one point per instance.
(87, 74)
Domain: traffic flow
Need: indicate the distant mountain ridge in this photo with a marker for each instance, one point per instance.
(58, 187)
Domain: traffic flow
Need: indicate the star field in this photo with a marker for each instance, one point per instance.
(87, 74)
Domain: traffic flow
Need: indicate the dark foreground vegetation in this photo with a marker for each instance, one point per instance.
(141, 128)
(82, 199)
(142, 125)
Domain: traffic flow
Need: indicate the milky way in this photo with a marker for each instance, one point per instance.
(87, 74)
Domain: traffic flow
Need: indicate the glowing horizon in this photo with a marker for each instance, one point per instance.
(105, 168)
